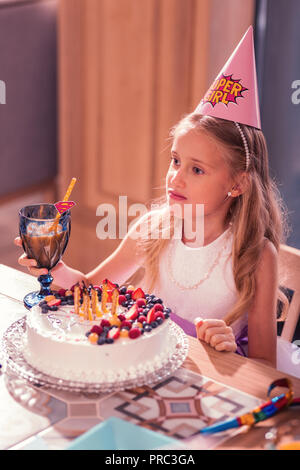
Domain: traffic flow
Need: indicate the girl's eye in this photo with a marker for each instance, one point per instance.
(175, 161)
(197, 170)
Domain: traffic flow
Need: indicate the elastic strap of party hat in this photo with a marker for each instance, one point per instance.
(245, 143)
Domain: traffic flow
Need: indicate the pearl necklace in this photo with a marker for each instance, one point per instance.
(207, 274)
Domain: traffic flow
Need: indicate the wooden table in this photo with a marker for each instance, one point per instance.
(238, 372)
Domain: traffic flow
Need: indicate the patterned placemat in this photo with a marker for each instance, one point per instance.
(178, 406)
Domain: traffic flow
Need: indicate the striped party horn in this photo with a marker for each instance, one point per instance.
(262, 412)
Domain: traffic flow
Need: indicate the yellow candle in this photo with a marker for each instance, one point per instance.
(115, 301)
(104, 299)
(77, 299)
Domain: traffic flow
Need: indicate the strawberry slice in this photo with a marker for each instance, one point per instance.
(132, 313)
(151, 315)
(109, 284)
(137, 294)
(54, 303)
(109, 296)
(114, 333)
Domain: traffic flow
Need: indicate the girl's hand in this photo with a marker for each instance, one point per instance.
(23, 260)
(216, 333)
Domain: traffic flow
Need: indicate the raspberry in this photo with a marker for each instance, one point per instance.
(122, 299)
(126, 323)
(158, 307)
(97, 329)
(134, 333)
(104, 323)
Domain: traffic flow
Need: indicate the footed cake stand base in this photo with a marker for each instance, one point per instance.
(12, 350)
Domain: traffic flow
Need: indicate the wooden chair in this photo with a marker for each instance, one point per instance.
(289, 278)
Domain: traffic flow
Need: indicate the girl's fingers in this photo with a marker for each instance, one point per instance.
(206, 324)
(30, 264)
(214, 331)
(229, 346)
(220, 338)
(23, 260)
(37, 272)
(18, 241)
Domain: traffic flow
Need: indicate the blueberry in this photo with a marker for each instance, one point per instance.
(167, 310)
(64, 302)
(166, 315)
(128, 296)
(44, 309)
(53, 308)
(142, 331)
(147, 328)
(109, 340)
(106, 328)
(123, 290)
(101, 340)
(43, 302)
(150, 305)
(88, 334)
(146, 310)
(159, 320)
(154, 324)
(69, 297)
(70, 301)
(125, 328)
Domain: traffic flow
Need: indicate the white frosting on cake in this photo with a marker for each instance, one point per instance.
(56, 344)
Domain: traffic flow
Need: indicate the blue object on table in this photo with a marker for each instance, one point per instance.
(117, 434)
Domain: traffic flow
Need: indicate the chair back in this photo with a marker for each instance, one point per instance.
(289, 278)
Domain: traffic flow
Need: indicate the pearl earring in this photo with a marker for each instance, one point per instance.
(229, 193)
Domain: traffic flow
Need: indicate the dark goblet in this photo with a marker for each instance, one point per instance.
(44, 240)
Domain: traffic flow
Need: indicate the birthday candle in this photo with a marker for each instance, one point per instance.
(104, 298)
(76, 299)
(115, 301)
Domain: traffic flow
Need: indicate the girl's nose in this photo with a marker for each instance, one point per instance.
(178, 178)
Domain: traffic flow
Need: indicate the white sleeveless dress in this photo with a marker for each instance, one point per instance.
(183, 266)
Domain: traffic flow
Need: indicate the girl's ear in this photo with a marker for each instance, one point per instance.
(241, 186)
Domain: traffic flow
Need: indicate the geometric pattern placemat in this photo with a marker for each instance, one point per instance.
(177, 406)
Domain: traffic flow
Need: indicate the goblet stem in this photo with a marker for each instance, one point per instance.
(32, 299)
(45, 281)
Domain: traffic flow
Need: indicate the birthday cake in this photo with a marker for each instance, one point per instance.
(99, 334)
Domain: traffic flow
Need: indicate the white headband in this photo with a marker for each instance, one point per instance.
(245, 144)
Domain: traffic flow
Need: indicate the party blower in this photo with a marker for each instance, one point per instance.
(45, 231)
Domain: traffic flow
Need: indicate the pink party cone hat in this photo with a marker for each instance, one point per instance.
(233, 94)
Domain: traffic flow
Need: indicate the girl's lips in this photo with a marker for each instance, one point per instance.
(176, 196)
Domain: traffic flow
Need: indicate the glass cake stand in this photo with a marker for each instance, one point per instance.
(12, 352)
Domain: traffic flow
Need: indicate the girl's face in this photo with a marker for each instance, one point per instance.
(197, 173)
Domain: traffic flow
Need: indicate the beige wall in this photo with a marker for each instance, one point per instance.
(128, 70)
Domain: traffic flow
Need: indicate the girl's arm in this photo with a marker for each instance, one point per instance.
(262, 326)
(118, 267)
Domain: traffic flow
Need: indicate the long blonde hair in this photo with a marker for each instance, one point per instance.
(256, 214)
